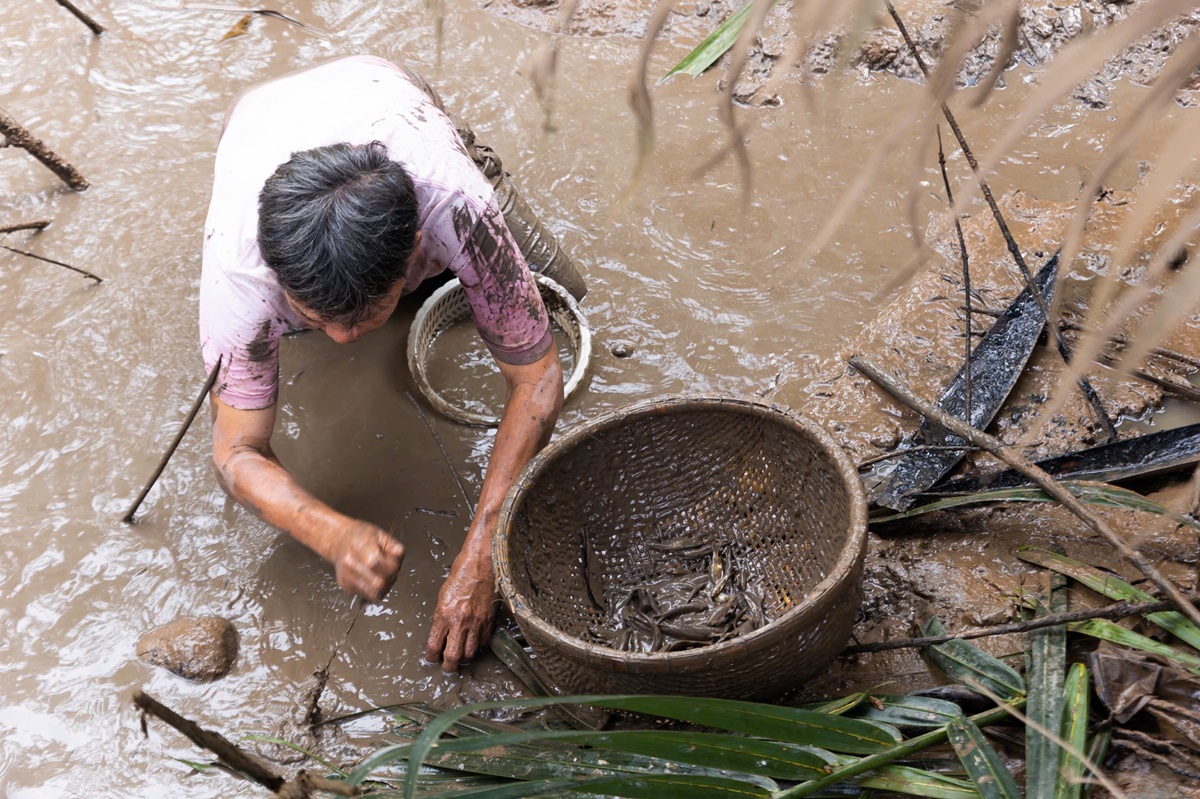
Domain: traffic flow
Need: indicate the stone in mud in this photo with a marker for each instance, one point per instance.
(199, 649)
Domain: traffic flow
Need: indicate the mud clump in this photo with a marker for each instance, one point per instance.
(199, 649)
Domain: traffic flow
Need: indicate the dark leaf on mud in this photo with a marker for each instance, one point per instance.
(986, 768)
(996, 363)
(1129, 682)
(971, 666)
(518, 661)
(910, 711)
(1154, 453)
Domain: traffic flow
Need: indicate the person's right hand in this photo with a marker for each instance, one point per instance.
(366, 559)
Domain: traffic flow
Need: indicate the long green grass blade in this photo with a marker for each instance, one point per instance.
(1097, 751)
(971, 666)
(909, 711)
(860, 766)
(1046, 672)
(296, 748)
(642, 786)
(715, 45)
(1074, 734)
(837, 707)
(917, 782)
(1113, 587)
(1089, 493)
(1106, 630)
(985, 767)
(788, 725)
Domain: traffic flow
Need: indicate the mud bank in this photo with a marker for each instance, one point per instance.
(1044, 27)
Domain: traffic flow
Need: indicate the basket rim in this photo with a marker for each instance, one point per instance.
(417, 364)
(849, 561)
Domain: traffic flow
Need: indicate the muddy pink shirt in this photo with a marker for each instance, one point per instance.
(243, 311)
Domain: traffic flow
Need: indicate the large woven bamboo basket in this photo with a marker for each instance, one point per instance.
(782, 492)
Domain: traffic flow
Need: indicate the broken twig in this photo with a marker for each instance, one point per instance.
(966, 275)
(1117, 610)
(81, 16)
(1022, 464)
(1084, 384)
(40, 224)
(17, 136)
(183, 428)
(228, 752)
(83, 272)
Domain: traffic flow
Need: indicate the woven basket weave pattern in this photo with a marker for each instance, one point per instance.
(783, 497)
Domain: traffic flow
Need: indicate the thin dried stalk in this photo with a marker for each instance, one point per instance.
(639, 91)
(82, 17)
(1014, 459)
(40, 224)
(966, 277)
(545, 62)
(43, 258)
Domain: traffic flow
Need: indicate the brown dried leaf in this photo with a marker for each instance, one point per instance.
(240, 28)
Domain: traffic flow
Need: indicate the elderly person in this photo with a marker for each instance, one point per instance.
(337, 190)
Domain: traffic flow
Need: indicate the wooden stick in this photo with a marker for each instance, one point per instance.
(1084, 384)
(966, 275)
(226, 751)
(19, 137)
(1022, 464)
(40, 224)
(183, 428)
(83, 272)
(84, 18)
(1117, 610)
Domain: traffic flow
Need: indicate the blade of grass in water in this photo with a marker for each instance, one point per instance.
(713, 47)
(1114, 588)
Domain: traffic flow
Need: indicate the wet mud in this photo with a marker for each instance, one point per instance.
(691, 290)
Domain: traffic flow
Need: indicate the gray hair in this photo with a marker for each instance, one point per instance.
(337, 225)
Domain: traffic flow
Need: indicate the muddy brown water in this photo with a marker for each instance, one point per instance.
(709, 296)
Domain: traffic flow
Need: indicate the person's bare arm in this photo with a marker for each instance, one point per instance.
(365, 557)
(465, 608)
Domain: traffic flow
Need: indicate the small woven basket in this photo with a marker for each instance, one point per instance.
(785, 497)
(448, 306)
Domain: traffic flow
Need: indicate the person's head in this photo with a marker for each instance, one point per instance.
(337, 224)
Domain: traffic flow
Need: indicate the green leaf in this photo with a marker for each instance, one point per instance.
(971, 666)
(1113, 587)
(1047, 651)
(909, 711)
(837, 707)
(917, 782)
(1106, 630)
(1097, 750)
(1087, 492)
(715, 45)
(642, 786)
(281, 742)
(788, 725)
(1074, 735)
(981, 761)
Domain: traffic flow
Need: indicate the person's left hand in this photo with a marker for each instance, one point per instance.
(462, 622)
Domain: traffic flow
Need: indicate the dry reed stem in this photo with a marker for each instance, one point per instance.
(43, 258)
(40, 224)
(94, 26)
(1014, 459)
